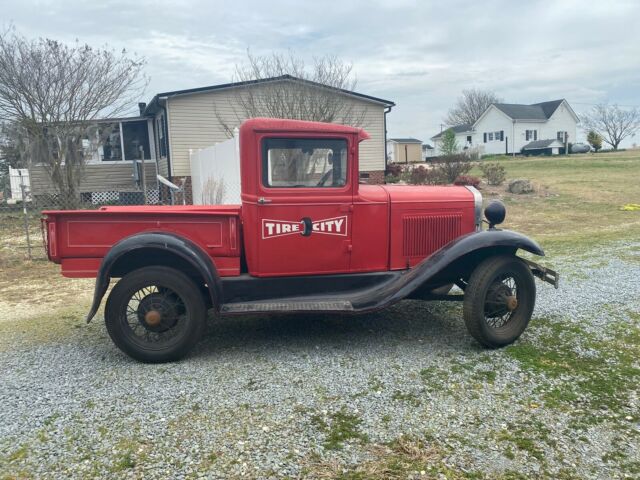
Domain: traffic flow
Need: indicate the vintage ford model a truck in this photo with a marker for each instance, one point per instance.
(307, 237)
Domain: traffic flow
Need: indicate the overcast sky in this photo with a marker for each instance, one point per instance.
(420, 55)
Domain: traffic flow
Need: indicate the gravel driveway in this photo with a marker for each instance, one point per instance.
(401, 393)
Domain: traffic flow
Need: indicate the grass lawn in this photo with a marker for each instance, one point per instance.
(578, 200)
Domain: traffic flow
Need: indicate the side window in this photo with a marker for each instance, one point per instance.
(302, 162)
(162, 144)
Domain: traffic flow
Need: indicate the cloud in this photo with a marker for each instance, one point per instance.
(418, 54)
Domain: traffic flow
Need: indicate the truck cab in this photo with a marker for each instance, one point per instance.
(305, 212)
(308, 236)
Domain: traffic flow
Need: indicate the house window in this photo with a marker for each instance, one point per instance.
(469, 139)
(531, 135)
(162, 141)
(490, 135)
(111, 146)
(561, 136)
(301, 162)
(136, 140)
(497, 136)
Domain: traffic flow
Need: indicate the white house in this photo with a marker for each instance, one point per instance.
(507, 127)
(428, 152)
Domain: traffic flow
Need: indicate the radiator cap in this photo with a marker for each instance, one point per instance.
(495, 213)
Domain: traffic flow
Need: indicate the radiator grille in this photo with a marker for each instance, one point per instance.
(424, 234)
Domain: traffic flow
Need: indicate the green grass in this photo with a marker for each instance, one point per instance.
(597, 375)
(339, 427)
(578, 202)
(408, 397)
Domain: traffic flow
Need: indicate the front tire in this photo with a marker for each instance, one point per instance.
(499, 300)
(155, 314)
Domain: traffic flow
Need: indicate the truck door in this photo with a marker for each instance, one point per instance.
(303, 207)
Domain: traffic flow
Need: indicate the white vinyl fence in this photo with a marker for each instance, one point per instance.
(215, 173)
(19, 181)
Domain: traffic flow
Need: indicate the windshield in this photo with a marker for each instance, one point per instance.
(301, 162)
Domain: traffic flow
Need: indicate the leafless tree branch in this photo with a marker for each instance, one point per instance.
(613, 123)
(53, 93)
(313, 95)
(470, 105)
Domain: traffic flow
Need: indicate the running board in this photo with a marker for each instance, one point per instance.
(288, 306)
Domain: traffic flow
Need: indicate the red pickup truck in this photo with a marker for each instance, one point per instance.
(307, 237)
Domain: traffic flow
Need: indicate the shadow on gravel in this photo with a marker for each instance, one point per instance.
(410, 322)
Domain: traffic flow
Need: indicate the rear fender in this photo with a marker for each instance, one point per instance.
(451, 256)
(179, 246)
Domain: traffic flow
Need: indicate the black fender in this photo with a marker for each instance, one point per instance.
(175, 244)
(393, 291)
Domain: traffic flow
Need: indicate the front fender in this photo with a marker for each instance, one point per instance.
(180, 246)
(435, 264)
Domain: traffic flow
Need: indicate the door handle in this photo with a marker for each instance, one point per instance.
(307, 226)
(263, 200)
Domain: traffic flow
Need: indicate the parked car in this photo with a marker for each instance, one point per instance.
(306, 238)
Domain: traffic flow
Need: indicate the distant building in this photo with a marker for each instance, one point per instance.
(505, 127)
(428, 152)
(404, 150)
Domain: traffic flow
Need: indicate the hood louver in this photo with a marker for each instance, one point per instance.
(424, 234)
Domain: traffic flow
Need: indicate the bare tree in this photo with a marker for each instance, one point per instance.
(470, 105)
(613, 123)
(283, 86)
(52, 93)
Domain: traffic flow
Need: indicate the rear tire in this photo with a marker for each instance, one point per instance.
(491, 314)
(155, 314)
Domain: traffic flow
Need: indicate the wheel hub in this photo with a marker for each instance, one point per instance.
(153, 318)
(512, 302)
(500, 300)
(157, 313)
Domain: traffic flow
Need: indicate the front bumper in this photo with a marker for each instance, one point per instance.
(543, 273)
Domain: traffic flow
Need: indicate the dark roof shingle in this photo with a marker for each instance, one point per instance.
(465, 127)
(535, 111)
(405, 140)
(153, 104)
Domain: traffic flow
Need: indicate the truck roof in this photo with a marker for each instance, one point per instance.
(284, 124)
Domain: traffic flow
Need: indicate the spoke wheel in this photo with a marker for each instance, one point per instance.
(155, 314)
(499, 300)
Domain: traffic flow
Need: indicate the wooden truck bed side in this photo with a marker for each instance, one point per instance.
(79, 239)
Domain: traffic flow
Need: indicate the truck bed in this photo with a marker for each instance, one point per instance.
(79, 239)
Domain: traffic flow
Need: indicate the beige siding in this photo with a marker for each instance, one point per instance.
(195, 122)
(97, 178)
(413, 152)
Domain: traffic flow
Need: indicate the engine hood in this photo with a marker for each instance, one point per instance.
(423, 219)
(421, 193)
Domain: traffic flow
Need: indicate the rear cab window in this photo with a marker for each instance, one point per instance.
(304, 163)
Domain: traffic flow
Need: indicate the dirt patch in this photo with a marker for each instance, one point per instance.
(33, 288)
